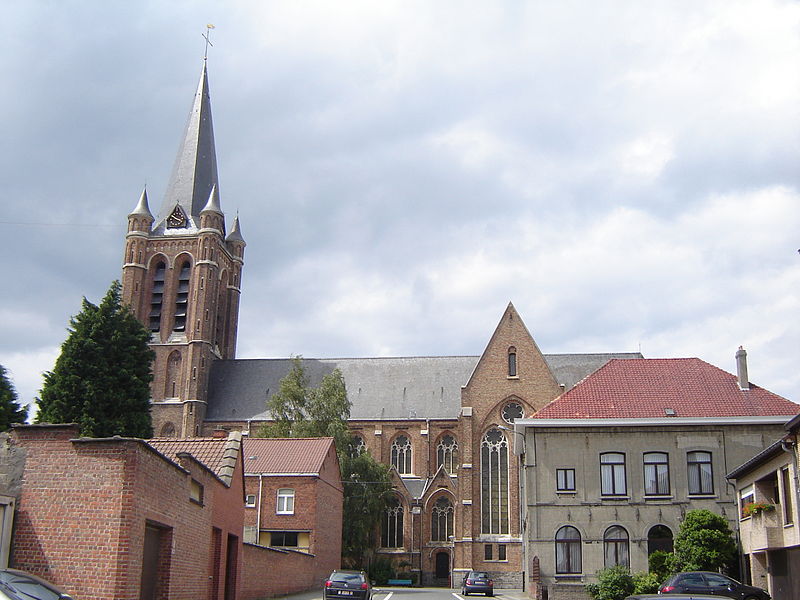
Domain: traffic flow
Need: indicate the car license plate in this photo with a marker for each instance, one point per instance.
(345, 593)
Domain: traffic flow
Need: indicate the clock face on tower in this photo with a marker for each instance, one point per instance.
(512, 411)
(177, 219)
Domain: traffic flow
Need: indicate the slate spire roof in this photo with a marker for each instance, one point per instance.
(142, 207)
(194, 174)
(656, 388)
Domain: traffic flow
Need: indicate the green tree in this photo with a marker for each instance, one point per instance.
(10, 410)
(101, 380)
(367, 488)
(704, 543)
(299, 410)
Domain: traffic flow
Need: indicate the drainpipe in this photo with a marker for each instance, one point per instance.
(258, 513)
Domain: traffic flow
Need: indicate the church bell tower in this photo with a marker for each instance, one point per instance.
(181, 276)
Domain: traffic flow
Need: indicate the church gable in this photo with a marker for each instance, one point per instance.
(511, 368)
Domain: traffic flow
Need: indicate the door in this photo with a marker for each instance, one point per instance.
(442, 565)
(149, 582)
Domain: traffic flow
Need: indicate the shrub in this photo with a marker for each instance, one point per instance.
(614, 583)
(646, 583)
(660, 563)
(381, 571)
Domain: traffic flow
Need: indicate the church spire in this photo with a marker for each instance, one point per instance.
(194, 174)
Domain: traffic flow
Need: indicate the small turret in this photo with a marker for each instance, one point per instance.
(211, 216)
(235, 241)
(141, 219)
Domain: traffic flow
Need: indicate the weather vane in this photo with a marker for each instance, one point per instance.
(207, 35)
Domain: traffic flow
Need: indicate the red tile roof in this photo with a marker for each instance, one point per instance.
(646, 387)
(208, 451)
(285, 455)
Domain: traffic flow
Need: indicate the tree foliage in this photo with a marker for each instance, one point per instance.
(614, 583)
(704, 543)
(101, 380)
(367, 488)
(10, 410)
(299, 410)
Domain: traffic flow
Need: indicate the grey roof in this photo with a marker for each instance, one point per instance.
(194, 174)
(236, 233)
(142, 208)
(378, 388)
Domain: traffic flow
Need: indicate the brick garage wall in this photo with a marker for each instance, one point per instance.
(268, 572)
(326, 542)
(84, 507)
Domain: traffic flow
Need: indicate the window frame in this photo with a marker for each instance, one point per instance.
(285, 501)
(619, 546)
(495, 482)
(442, 518)
(392, 523)
(787, 499)
(659, 475)
(248, 503)
(568, 473)
(513, 371)
(402, 458)
(569, 550)
(694, 469)
(612, 473)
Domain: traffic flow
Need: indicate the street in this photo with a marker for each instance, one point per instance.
(401, 593)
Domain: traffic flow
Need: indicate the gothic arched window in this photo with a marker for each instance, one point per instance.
(157, 296)
(447, 453)
(494, 482)
(172, 383)
(442, 520)
(182, 297)
(401, 454)
(357, 446)
(392, 526)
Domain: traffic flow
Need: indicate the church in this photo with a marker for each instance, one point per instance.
(464, 491)
(442, 422)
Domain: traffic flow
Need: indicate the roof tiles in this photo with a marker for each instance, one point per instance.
(285, 456)
(650, 387)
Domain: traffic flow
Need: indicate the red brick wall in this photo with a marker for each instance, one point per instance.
(268, 573)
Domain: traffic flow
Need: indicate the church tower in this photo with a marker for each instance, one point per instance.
(181, 276)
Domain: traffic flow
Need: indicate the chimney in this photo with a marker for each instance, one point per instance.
(741, 368)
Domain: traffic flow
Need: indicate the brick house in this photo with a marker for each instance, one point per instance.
(770, 538)
(119, 518)
(438, 420)
(293, 499)
(611, 467)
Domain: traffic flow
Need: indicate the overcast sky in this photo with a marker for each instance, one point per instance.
(626, 173)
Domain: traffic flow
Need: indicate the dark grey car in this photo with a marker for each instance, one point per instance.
(477, 582)
(347, 585)
(18, 585)
(711, 584)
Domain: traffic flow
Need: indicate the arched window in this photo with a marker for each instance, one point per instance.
(357, 446)
(568, 550)
(168, 430)
(659, 538)
(701, 474)
(447, 453)
(172, 381)
(182, 298)
(656, 473)
(392, 526)
(615, 547)
(512, 411)
(442, 520)
(512, 362)
(494, 482)
(157, 296)
(401, 455)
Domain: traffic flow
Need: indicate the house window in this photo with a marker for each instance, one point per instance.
(157, 297)
(615, 547)
(512, 362)
(285, 501)
(250, 501)
(196, 491)
(565, 480)
(182, 298)
(786, 485)
(747, 496)
(392, 530)
(442, 520)
(494, 482)
(401, 455)
(612, 474)
(656, 473)
(284, 539)
(501, 552)
(487, 552)
(701, 480)
(659, 538)
(357, 446)
(568, 551)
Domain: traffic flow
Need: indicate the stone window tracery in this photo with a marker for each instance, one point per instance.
(447, 453)
(442, 520)
(401, 454)
(494, 482)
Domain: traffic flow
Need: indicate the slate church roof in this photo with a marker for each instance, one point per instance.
(378, 388)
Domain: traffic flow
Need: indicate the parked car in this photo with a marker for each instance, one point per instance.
(353, 585)
(477, 581)
(18, 585)
(713, 584)
(672, 597)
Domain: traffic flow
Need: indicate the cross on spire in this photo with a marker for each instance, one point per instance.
(206, 36)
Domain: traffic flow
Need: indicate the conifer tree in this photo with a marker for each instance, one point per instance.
(10, 410)
(102, 378)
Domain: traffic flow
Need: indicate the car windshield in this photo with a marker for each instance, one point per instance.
(478, 575)
(347, 577)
